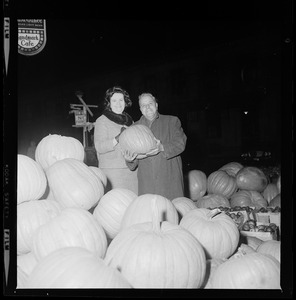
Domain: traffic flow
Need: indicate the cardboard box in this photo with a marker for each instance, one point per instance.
(264, 236)
(269, 217)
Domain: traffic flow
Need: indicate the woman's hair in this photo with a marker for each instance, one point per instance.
(113, 90)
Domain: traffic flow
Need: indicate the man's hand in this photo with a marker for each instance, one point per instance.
(158, 148)
(129, 156)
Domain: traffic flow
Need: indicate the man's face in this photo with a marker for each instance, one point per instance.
(148, 107)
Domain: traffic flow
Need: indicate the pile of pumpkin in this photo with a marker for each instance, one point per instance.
(71, 234)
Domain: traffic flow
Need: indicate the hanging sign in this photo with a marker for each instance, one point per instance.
(31, 36)
(80, 117)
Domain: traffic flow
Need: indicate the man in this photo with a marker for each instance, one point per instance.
(160, 170)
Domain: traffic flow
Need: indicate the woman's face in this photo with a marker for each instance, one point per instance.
(117, 103)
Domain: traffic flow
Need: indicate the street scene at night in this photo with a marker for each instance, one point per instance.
(151, 153)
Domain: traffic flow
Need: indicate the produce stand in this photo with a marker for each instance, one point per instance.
(265, 221)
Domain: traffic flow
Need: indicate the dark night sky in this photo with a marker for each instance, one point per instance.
(84, 39)
(83, 47)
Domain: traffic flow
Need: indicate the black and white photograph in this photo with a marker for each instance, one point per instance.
(147, 148)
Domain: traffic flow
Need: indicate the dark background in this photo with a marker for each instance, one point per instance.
(207, 64)
(191, 55)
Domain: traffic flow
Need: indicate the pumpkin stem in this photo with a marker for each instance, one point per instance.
(155, 219)
(215, 212)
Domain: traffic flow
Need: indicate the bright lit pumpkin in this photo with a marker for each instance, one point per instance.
(211, 266)
(212, 201)
(21, 278)
(74, 184)
(219, 182)
(30, 216)
(215, 230)
(137, 139)
(232, 168)
(26, 262)
(252, 179)
(197, 182)
(248, 198)
(270, 191)
(102, 176)
(54, 147)
(31, 179)
(250, 271)
(158, 255)
(270, 247)
(183, 205)
(74, 267)
(111, 208)
(140, 210)
(73, 227)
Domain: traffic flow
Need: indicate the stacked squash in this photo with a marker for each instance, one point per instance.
(71, 234)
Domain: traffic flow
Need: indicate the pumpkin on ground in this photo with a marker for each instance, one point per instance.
(212, 201)
(73, 227)
(252, 179)
(140, 210)
(276, 201)
(111, 208)
(31, 179)
(197, 182)
(183, 205)
(250, 271)
(55, 147)
(271, 247)
(26, 262)
(102, 176)
(137, 139)
(74, 267)
(248, 198)
(30, 216)
(232, 168)
(219, 182)
(211, 266)
(74, 184)
(270, 191)
(21, 278)
(158, 255)
(215, 230)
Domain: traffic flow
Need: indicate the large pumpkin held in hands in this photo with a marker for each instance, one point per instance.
(55, 147)
(137, 139)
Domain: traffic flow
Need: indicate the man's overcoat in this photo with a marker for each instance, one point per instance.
(162, 174)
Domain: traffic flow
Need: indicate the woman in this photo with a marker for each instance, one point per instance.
(108, 127)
